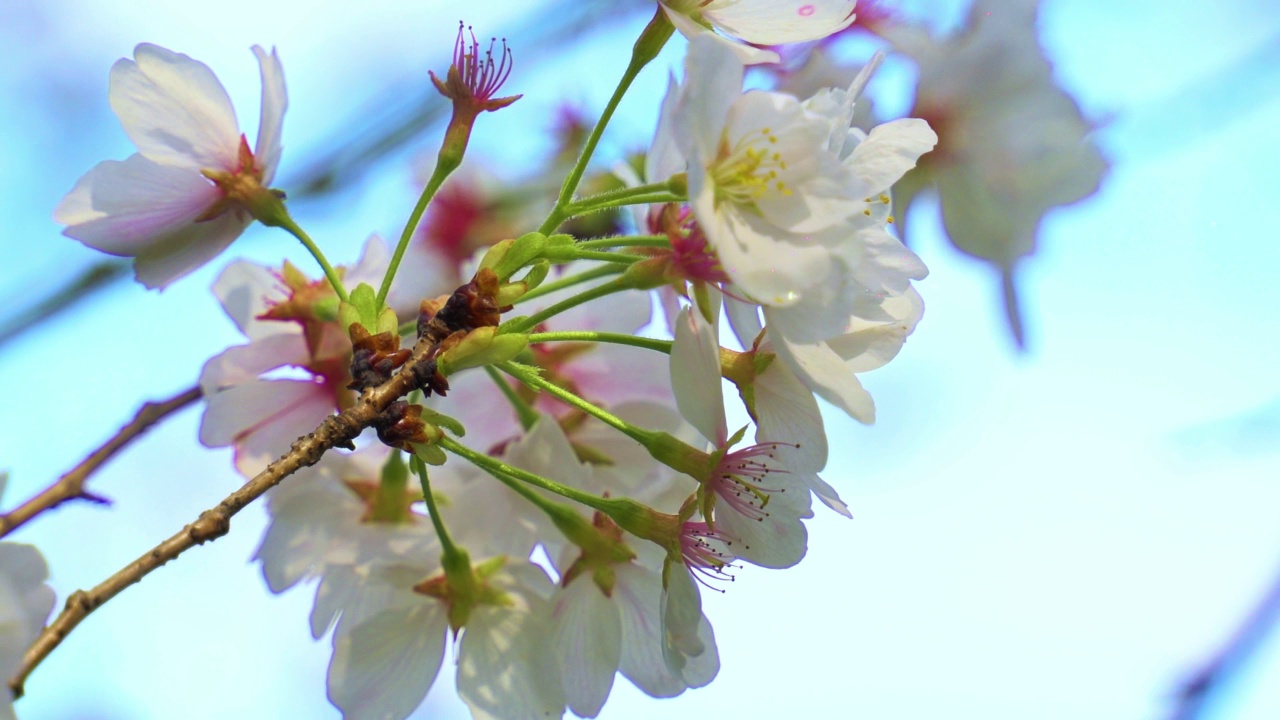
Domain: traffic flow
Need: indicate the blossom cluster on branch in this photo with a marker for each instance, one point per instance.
(535, 408)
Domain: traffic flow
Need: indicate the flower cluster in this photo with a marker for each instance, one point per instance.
(552, 484)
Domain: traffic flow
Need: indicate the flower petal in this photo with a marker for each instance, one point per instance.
(586, 638)
(180, 253)
(125, 207)
(275, 99)
(745, 54)
(174, 110)
(503, 670)
(778, 22)
(243, 363)
(786, 412)
(889, 151)
(712, 84)
(384, 667)
(246, 290)
(824, 372)
(695, 376)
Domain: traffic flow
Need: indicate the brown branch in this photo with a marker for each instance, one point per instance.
(1196, 691)
(336, 430)
(71, 485)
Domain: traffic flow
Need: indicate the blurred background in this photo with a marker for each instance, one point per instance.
(1069, 530)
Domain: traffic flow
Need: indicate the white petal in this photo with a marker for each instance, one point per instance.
(778, 540)
(824, 372)
(586, 634)
(768, 268)
(787, 412)
(778, 22)
(745, 54)
(246, 290)
(382, 669)
(695, 376)
(664, 158)
(275, 100)
(744, 318)
(174, 110)
(828, 495)
(242, 363)
(871, 345)
(888, 153)
(125, 208)
(180, 253)
(880, 263)
(262, 417)
(681, 616)
(702, 669)
(713, 82)
(638, 593)
(503, 670)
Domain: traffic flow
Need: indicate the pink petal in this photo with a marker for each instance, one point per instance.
(174, 110)
(124, 208)
(275, 99)
(243, 363)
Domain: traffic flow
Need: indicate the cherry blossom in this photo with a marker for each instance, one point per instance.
(181, 199)
(25, 602)
(281, 314)
(757, 501)
(1014, 145)
(384, 666)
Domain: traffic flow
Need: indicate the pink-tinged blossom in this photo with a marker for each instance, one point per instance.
(280, 314)
(25, 601)
(175, 204)
(596, 634)
(753, 500)
(759, 22)
(383, 668)
(325, 526)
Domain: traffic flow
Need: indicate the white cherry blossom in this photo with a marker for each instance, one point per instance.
(25, 602)
(159, 206)
(758, 500)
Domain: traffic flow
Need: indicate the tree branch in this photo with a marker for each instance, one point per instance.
(336, 430)
(1196, 691)
(71, 485)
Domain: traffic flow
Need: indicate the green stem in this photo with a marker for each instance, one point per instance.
(591, 205)
(569, 281)
(607, 256)
(447, 548)
(527, 415)
(335, 280)
(662, 346)
(626, 192)
(497, 467)
(599, 291)
(443, 168)
(655, 35)
(527, 376)
(661, 241)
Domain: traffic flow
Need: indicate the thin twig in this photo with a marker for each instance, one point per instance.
(336, 430)
(71, 485)
(1196, 691)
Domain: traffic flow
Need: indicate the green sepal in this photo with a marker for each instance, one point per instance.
(361, 308)
(482, 346)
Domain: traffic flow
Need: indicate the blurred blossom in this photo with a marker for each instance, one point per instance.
(1012, 145)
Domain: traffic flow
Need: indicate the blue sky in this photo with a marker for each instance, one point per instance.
(1063, 533)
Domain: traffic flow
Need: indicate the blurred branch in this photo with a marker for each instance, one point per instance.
(97, 277)
(71, 485)
(1196, 692)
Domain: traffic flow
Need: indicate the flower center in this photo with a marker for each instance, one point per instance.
(749, 169)
(739, 480)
